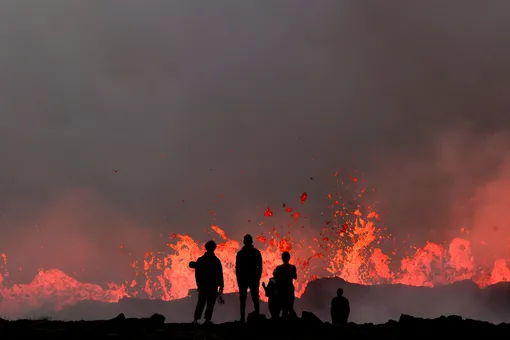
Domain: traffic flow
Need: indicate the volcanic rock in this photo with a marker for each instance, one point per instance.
(311, 319)
(382, 302)
(157, 319)
(254, 318)
(376, 304)
(119, 318)
(307, 327)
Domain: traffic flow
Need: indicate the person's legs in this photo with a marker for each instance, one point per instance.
(273, 308)
(254, 292)
(278, 306)
(291, 310)
(211, 297)
(335, 317)
(202, 298)
(243, 294)
(283, 292)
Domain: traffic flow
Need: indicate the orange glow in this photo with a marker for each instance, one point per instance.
(349, 245)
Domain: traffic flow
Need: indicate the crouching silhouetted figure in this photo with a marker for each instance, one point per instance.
(209, 278)
(285, 274)
(340, 308)
(271, 291)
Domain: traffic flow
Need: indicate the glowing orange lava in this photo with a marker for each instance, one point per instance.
(348, 246)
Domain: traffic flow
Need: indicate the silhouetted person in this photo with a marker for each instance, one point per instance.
(209, 277)
(284, 275)
(272, 298)
(248, 274)
(340, 308)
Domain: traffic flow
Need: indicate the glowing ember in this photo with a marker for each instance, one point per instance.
(303, 197)
(268, 212)
(349, 246)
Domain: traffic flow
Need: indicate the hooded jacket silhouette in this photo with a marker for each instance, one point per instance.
(273, 302)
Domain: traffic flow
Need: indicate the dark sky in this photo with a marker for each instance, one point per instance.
(188, 100)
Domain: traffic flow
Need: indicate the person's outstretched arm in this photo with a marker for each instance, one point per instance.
(294, 274)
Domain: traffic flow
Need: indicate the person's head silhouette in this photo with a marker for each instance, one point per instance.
(339, 292)
(248, 240)
(285, 257)
(210, 246)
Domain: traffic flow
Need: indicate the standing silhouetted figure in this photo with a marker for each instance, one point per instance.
(284, 275)
(248, 273)
(340, 308)
(209, 277)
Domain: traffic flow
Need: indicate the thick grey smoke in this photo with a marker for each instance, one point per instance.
(123, 120)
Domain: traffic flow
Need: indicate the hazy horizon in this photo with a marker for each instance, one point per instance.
(122, 122)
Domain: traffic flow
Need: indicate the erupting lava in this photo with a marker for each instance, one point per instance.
(349, 246)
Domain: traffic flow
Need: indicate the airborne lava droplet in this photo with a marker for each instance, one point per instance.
(261, 238)
(347, 246)
(289, 209)
(303, 197)
(354, 179)
(268, 212)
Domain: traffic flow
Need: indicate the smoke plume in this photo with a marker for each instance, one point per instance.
(124, 120)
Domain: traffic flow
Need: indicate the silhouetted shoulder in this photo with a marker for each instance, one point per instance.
(241, 254)
(199, 260)
(338, 301)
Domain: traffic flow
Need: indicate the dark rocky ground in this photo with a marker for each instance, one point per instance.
(369, 304)
(376, 304)
(307, 327)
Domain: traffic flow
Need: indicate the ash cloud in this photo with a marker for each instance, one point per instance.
(154, 109)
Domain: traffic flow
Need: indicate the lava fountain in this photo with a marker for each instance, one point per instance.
(347, 246)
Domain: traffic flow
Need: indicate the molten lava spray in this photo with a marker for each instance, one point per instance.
(350, 245)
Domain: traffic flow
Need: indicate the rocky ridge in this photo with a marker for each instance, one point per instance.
(308, 326)
(376, 304)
